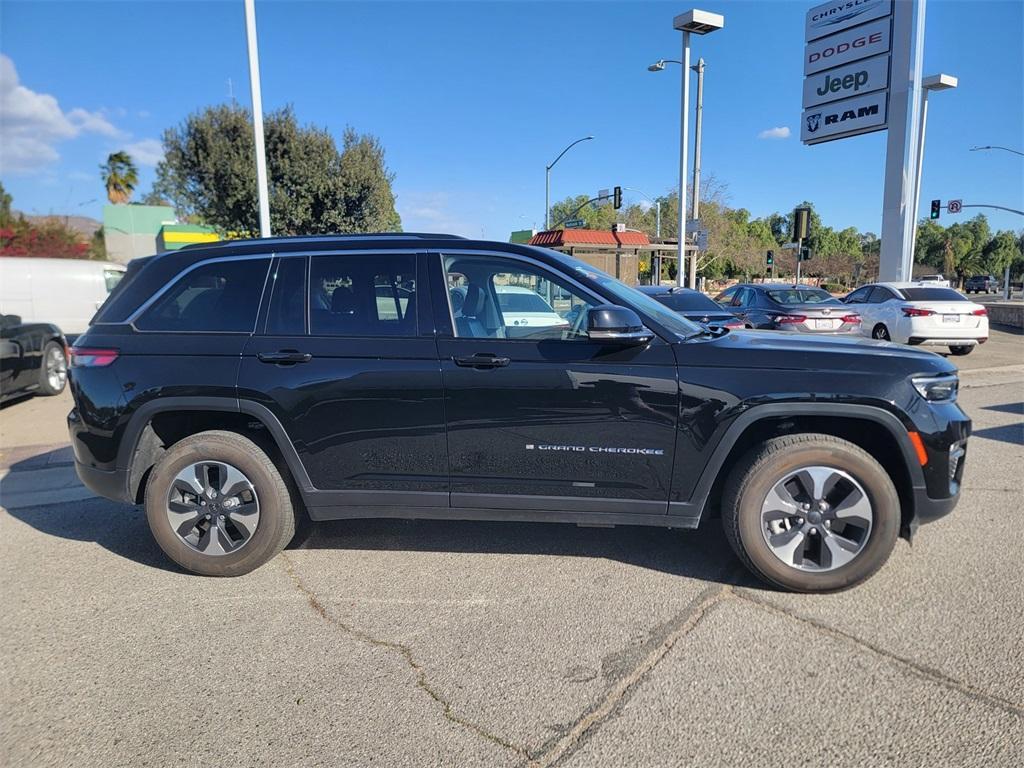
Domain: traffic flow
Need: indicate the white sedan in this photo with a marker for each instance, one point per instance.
(524, 307)
(912, 313)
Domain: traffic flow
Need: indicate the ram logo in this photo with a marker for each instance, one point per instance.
(813, 122)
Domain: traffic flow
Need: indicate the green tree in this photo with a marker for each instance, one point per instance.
(120, 176)
(5, 207)
(208, 173)
(1000, 252)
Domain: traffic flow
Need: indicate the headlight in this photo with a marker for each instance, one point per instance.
(937, 388)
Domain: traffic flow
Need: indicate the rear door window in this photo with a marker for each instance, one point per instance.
(357, 295)
(222, 296)
(286, 315)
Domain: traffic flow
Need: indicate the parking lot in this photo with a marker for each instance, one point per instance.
(487, 644)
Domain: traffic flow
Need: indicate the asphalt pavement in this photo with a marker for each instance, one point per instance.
(486, 644)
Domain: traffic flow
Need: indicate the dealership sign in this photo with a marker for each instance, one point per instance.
(855, 79)
(846, 69)
(829, 18)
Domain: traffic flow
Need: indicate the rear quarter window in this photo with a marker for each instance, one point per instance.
(222, 296)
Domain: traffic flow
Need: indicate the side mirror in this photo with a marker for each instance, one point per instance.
(617, 325)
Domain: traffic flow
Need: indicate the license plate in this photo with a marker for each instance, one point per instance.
(951, 318)
(824, 325)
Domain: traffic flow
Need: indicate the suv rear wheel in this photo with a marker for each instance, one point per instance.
(811, 513)
(218, 506)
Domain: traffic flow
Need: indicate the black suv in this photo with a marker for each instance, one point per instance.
(235, 388)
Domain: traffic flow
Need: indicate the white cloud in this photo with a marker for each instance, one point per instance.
(32, 123)
(93, 122)
(782, 132)
(146, 152)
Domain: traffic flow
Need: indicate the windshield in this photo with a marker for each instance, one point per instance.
(523, 302)
(801, 296)
(932, 294)
(631, 297)
(687, 302)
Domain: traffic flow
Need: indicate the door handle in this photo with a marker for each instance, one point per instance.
(284, 357)
(481, 360)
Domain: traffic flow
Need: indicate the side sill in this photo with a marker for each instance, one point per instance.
(322, 513)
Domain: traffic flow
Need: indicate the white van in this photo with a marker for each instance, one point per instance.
(65, 292)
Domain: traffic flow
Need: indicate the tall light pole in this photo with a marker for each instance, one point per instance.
(657, 208)
(257, 117)
(699, 23)
(940, 82)
(695, 191)
(547, 180)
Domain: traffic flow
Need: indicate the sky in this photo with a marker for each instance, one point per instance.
(472, 99)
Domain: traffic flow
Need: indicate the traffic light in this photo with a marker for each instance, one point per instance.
(770, 259)
(801, 223)
(617, 198)
(936, 208)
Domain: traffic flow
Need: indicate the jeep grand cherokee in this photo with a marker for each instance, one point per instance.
(235, 388)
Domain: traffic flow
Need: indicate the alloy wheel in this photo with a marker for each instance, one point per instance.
(56, 368)
(816, 519)
(213, 507)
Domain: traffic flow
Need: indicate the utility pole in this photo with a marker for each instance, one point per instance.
(257, 117)
(695, 192)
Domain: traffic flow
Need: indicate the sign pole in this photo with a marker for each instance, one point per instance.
(898, 220)
(799, 257)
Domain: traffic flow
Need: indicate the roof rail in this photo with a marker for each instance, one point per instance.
(327, 238)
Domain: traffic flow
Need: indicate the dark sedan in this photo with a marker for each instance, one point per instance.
(33, 358)
(693, 305)
(789, 308)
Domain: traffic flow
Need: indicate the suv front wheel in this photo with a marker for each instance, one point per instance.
(218, 506)
(811, 512)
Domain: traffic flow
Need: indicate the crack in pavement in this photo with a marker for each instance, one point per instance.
(402, 650)
(563, 746)
(914, 667)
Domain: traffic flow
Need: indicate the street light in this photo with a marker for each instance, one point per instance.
(547, 180)
(1007, 149)
(699, 23)
(940, 82)
(657, 207)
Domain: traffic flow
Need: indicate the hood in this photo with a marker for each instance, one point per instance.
(807, 352)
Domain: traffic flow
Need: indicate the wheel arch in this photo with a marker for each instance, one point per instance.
(160, 423)
(877, 431)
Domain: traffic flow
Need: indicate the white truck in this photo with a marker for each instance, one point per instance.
(64, 292)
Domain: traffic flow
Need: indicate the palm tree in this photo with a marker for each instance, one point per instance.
(120, 175)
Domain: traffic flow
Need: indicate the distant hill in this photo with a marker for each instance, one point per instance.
(83, 225)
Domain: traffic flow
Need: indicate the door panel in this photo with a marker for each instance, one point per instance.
(553, 422)
(361, 401)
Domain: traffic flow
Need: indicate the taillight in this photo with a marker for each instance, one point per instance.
(855, 319)
(980, 312)
(82, 357)
(915, 312)
(732, 324)
(790, 319)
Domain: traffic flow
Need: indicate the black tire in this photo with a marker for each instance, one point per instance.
(881, 333)
(763, 466)
(961, 350)
(277, 516)
(50, 351)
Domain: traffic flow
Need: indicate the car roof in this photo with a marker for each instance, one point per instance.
(515, 289)
(149, 274)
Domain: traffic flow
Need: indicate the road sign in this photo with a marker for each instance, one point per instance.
(846, 69)
(701, 240)
(575, 224)
(692, 225)
(954, 206)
